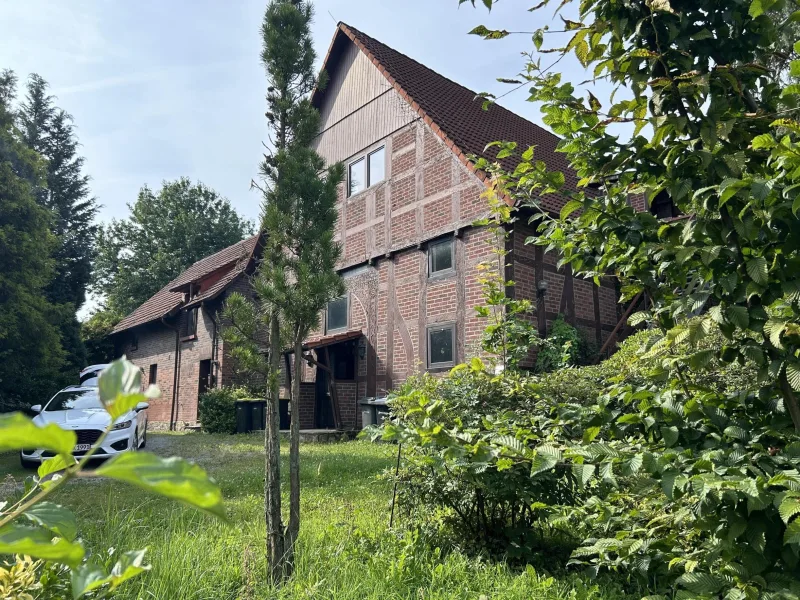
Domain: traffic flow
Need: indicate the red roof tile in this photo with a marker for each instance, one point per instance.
(455, 114)
(235, 257)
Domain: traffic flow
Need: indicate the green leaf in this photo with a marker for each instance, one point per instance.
(90, 577)
(55, 518)
(543, 461)
(489, 34)
(538, 38)
(52, 466)
(737, 433)
(701, 583)
(583, 473)
(39, 543)
(670, 435)
(633, 466)
(171, 477)
(569, 208)
(793, 375)
(759, 7)
(792, 535)
(763, 141)
(120, 388)
(18, 432)
(789, 507)
(757, 270)
(590, 434)
(512, 443)
(774, 329)
(739, 316)
(120, 378)
(668, 482)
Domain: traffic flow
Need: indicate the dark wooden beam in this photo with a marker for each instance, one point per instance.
(619, 325)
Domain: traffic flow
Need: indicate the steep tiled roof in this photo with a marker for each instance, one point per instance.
(453, 112)
(235, 257)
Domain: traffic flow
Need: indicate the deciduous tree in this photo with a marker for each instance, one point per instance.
(166, 232)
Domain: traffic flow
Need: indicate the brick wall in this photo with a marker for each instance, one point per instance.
(592, 309)
(156, 345)
(427, 192)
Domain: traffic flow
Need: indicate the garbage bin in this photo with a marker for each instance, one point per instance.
(244, 417)
(259, 411)
(285, 417)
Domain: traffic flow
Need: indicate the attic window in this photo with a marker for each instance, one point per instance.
(356, 177)
(377, 166)
(366, 171)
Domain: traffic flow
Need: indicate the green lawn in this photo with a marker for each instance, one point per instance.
(347, 550)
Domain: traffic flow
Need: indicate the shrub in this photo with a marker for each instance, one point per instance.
(217, 409)
(564, 346)
(676, 476)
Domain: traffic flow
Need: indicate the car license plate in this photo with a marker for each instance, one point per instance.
(82, 447)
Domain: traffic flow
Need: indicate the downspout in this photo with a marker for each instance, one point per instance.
(175, 372)
(215, 367)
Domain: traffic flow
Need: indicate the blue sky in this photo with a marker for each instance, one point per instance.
(160, 89)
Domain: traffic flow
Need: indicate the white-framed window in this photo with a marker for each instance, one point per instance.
(336, 314)
(441, 257)
(366, 171)
(376, 162)
(356, 176)
(441, 345)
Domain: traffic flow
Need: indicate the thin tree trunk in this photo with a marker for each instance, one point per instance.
(275, 540)
(294, 457)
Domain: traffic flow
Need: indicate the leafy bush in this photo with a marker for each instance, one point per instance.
(217, 409)
(564, 346)
(638, 465)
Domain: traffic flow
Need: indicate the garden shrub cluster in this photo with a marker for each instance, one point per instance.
(680, 488)
(217, 408)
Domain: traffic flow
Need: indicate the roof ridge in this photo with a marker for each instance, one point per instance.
(452, 113)
(453, 81)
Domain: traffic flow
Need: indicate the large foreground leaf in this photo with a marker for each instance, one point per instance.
(39, 543)
(89, 576)
(54, 517)
(18, 432)
(171, 477)
(120, 388)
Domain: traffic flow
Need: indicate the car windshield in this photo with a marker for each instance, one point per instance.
(74, 399)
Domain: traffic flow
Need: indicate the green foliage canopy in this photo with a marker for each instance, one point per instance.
(29, 336)
(166, 232)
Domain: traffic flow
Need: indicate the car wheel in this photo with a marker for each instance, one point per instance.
(27, 464)
(135, 444)
(144, 439)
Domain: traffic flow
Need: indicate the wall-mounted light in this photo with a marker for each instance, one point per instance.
(541, 288)
(362, 351)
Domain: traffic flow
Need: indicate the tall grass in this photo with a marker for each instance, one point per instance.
(346, 549)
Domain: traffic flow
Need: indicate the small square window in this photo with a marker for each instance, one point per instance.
(440, 257)
(441, 346)
(377, 166)
(337, 314)
(356, 177)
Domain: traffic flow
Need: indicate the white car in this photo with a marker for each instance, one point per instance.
(79, 409)
(89, 375)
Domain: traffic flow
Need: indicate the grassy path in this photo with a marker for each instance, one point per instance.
(346, 550)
